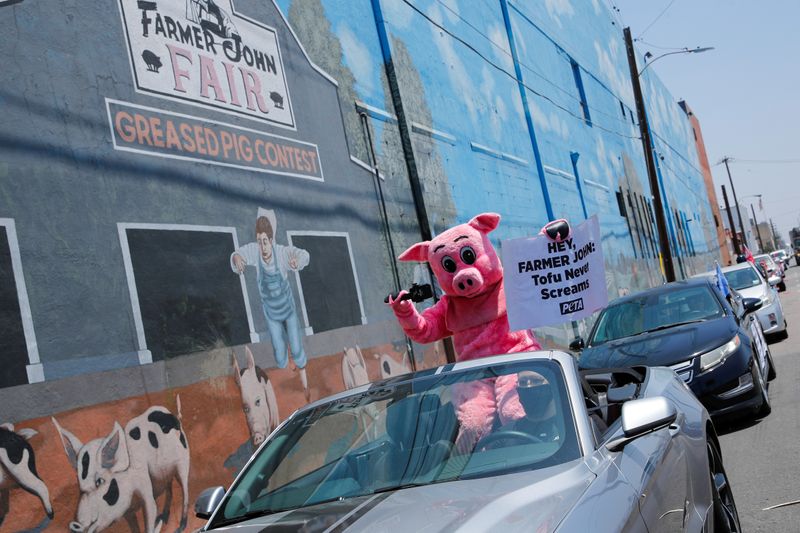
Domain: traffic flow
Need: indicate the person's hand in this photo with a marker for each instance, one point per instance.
(293, 259)
(400, 306)
(239, 263)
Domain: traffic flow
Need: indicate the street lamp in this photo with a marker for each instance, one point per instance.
(647, 144)
(698, 50)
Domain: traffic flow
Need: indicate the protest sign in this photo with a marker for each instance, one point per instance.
(548, 283)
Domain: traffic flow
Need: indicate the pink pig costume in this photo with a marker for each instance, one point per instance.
(473, 312)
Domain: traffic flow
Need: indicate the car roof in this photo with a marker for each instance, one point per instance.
(696, 281)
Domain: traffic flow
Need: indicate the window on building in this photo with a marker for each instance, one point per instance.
(15, 349)
(329, 290)
(188, 298)
(622, 108)
(576, 72)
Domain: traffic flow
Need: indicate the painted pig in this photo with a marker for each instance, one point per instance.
(128, 470)
(390, 367)
(18, 468)
(259, 403)
(472, 311)
(354, 368)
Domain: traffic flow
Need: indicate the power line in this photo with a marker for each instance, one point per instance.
(510, 75)
(657, 18)
(766, 161)
(640, 40)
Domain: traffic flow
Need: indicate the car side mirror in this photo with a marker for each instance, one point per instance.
(577, 344)
(774, 280)
(642, 417)
(751, 304)
(208, 501)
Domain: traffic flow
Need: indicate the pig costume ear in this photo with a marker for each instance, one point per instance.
(485, 222)
(251, 362)
(418, 252)
(114, 451)
(72, 444)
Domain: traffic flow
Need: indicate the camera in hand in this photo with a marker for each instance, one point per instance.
(416, 293)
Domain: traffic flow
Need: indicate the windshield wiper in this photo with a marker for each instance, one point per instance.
(676, 324)
(398, 487)
(242, 518)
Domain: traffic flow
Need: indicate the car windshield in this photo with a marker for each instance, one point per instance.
(655, 311)
(765, 259)
(406, 434)
(742, 278)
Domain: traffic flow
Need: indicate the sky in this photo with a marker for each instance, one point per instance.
(744, 92)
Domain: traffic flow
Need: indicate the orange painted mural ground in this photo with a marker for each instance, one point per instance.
(212, 419)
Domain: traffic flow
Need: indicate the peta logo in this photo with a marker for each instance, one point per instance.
(571, 306)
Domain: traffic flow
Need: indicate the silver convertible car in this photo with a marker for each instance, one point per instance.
(610, 450)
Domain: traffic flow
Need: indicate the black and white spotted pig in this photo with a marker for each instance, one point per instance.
(18, 468)
(128, 470)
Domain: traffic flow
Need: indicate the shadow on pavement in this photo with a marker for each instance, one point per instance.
(724, 427)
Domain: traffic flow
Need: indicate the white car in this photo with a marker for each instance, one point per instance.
(775, 271)
(748, 281)
(782, 257)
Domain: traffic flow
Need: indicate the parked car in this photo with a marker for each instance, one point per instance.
(749, 282)
(713, 343)
(774, 271)
(622, 450)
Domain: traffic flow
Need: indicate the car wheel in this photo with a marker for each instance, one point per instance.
(765, 408)
(726, 517)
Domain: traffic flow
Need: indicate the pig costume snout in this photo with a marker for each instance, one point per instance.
(472, 311)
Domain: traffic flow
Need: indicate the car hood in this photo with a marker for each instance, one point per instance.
(660, 348)
(758, 291)
(525, 501)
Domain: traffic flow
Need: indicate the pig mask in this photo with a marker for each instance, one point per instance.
(462, 258)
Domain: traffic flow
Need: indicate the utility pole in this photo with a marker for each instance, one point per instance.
(734, 238)
(644, 129)
(733, 189)
(758, 230)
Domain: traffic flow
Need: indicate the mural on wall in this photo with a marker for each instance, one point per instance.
(18, 468)
(259, 403)
(211, 50)
(272, 261)
(354, 368)
(128, 470)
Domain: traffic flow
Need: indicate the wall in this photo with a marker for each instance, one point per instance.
(150, 151)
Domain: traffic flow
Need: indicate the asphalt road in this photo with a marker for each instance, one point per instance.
(762, 457)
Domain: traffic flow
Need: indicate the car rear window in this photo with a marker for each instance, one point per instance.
(743, 278)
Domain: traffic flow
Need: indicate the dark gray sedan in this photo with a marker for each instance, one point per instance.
(607, 450)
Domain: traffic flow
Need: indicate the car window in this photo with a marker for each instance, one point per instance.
(742, 278)
(653, 311)
(408, 433)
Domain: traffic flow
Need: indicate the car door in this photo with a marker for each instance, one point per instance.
(656, 466)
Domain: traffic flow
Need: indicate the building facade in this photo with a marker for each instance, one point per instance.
(202, 203)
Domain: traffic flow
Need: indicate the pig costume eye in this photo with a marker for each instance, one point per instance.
(467, 255)
(99, 481)
(449, 264)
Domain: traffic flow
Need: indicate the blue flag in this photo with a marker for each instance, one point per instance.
(722, 282)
